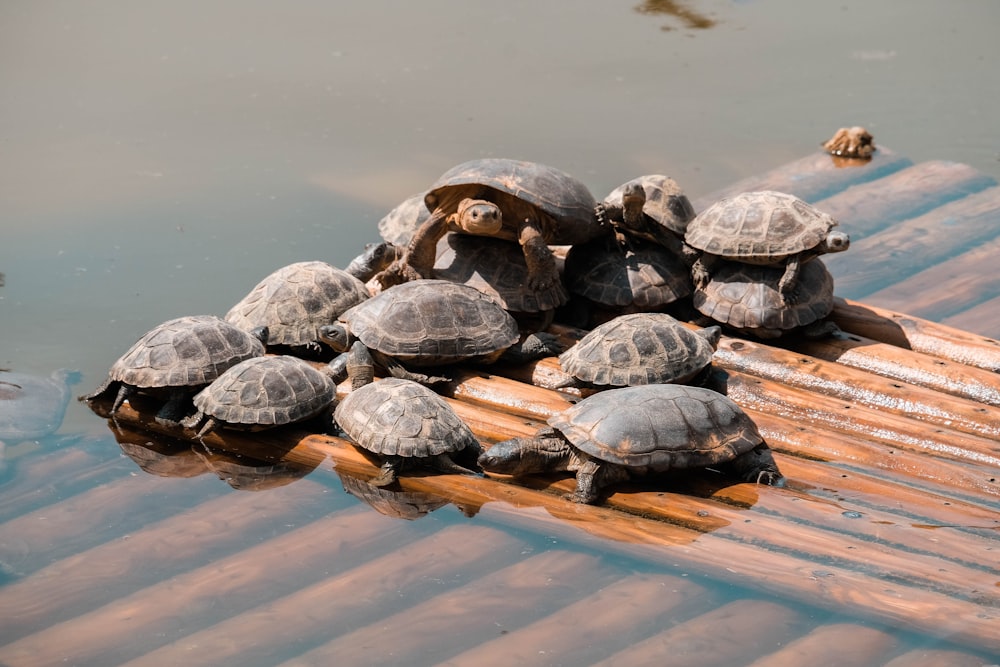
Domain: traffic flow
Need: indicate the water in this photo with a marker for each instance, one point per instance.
(158, 160)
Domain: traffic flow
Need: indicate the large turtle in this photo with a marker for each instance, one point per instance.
(747, 298)
(294, 301)
(533, 204)
(176, 358)
(638, 349)
(641, 276)
(263, 392)
(651, 207)
(631, 431)
(765, 228)
(406, 424)
(434, 322)
(497, 268)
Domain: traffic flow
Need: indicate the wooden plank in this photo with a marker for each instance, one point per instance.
(866, 208)
(732, 634)
(456, 620)
(349, 599)
(599, 624)
(913, 333)
(86, 579)
(939, 658)
(911, 246)
(813, 177)
(840, 644)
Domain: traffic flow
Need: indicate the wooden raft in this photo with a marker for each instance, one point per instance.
(889, 437)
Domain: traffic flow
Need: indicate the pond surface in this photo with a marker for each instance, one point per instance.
(158, 160)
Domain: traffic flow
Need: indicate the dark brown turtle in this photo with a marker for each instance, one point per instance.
(638, 277)
(764, 228)
(651, 207)
(746, 298)
(294, 301)
(638, 349)
(431, 323)
(527, 202)
(632, 431)
(406, 424)
(374, 259)
(178, 357)
(497, 268)
(263, 392)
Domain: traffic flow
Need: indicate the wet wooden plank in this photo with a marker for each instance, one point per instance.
(347, 600)
(732, 634)
(839, 644)
(86, 579)
(813, 177)
(911, 246)
(590, 629)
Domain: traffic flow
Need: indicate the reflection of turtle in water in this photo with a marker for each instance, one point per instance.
(162, 456)
(530, 203)
(397, 503)
(178, 357)
(632, 431)
(747, 299)
(31, 406)
(246, 474)
(762, 228)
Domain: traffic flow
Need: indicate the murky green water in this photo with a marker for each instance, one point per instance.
(156, 160)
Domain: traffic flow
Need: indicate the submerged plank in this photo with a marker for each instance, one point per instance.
(840, 644)
(984, 318)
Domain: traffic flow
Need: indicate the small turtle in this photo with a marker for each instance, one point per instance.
(615, 434)
(374, 259)
(527, 202)
(851, 142)
(651, 207)
(178, 357)
(638, 349)
(294, 301)
(640, 277)
(263, 392)
(434, 322)
(32, 406)
(497, 268)
(766, 228)
(406, 424)
(746, 298)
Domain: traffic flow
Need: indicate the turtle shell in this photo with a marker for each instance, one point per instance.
(395, 417)
(638, 349)
(187, 351)
(746, 297)
(762, 225)
(267, 391)
(399, 224)
(426, 322)
(497, 268)
(658, 427)
(561, 196)
(296, 300)
(666, 202)
(644, 277)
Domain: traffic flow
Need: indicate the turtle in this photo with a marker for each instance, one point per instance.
(631, 431)
(497, 268)
(638, 349)
(651, 207)
(177, 358)
(263, 392)
(405, 424)
(531, 203)
(33, 406)
(851, 142)
(400, 223)
(746, 298)
(374, 259)
(764, 227)
(640, 277)
(293, 302)
(434, 322)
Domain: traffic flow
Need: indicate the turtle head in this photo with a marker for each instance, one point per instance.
(478, 216)
(376, 257)
(336, 335)
(712, 334)
(261, 334)
(836, 242)
(522, 456)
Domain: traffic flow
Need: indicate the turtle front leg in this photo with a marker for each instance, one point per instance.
(701, 270)
(174, 409)
(542, 272)
(418, 260)
(790, 279)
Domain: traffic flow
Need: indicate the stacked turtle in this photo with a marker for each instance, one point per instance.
(757, 271)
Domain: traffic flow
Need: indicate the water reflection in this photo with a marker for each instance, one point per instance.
(397, 502)
(689, 18)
